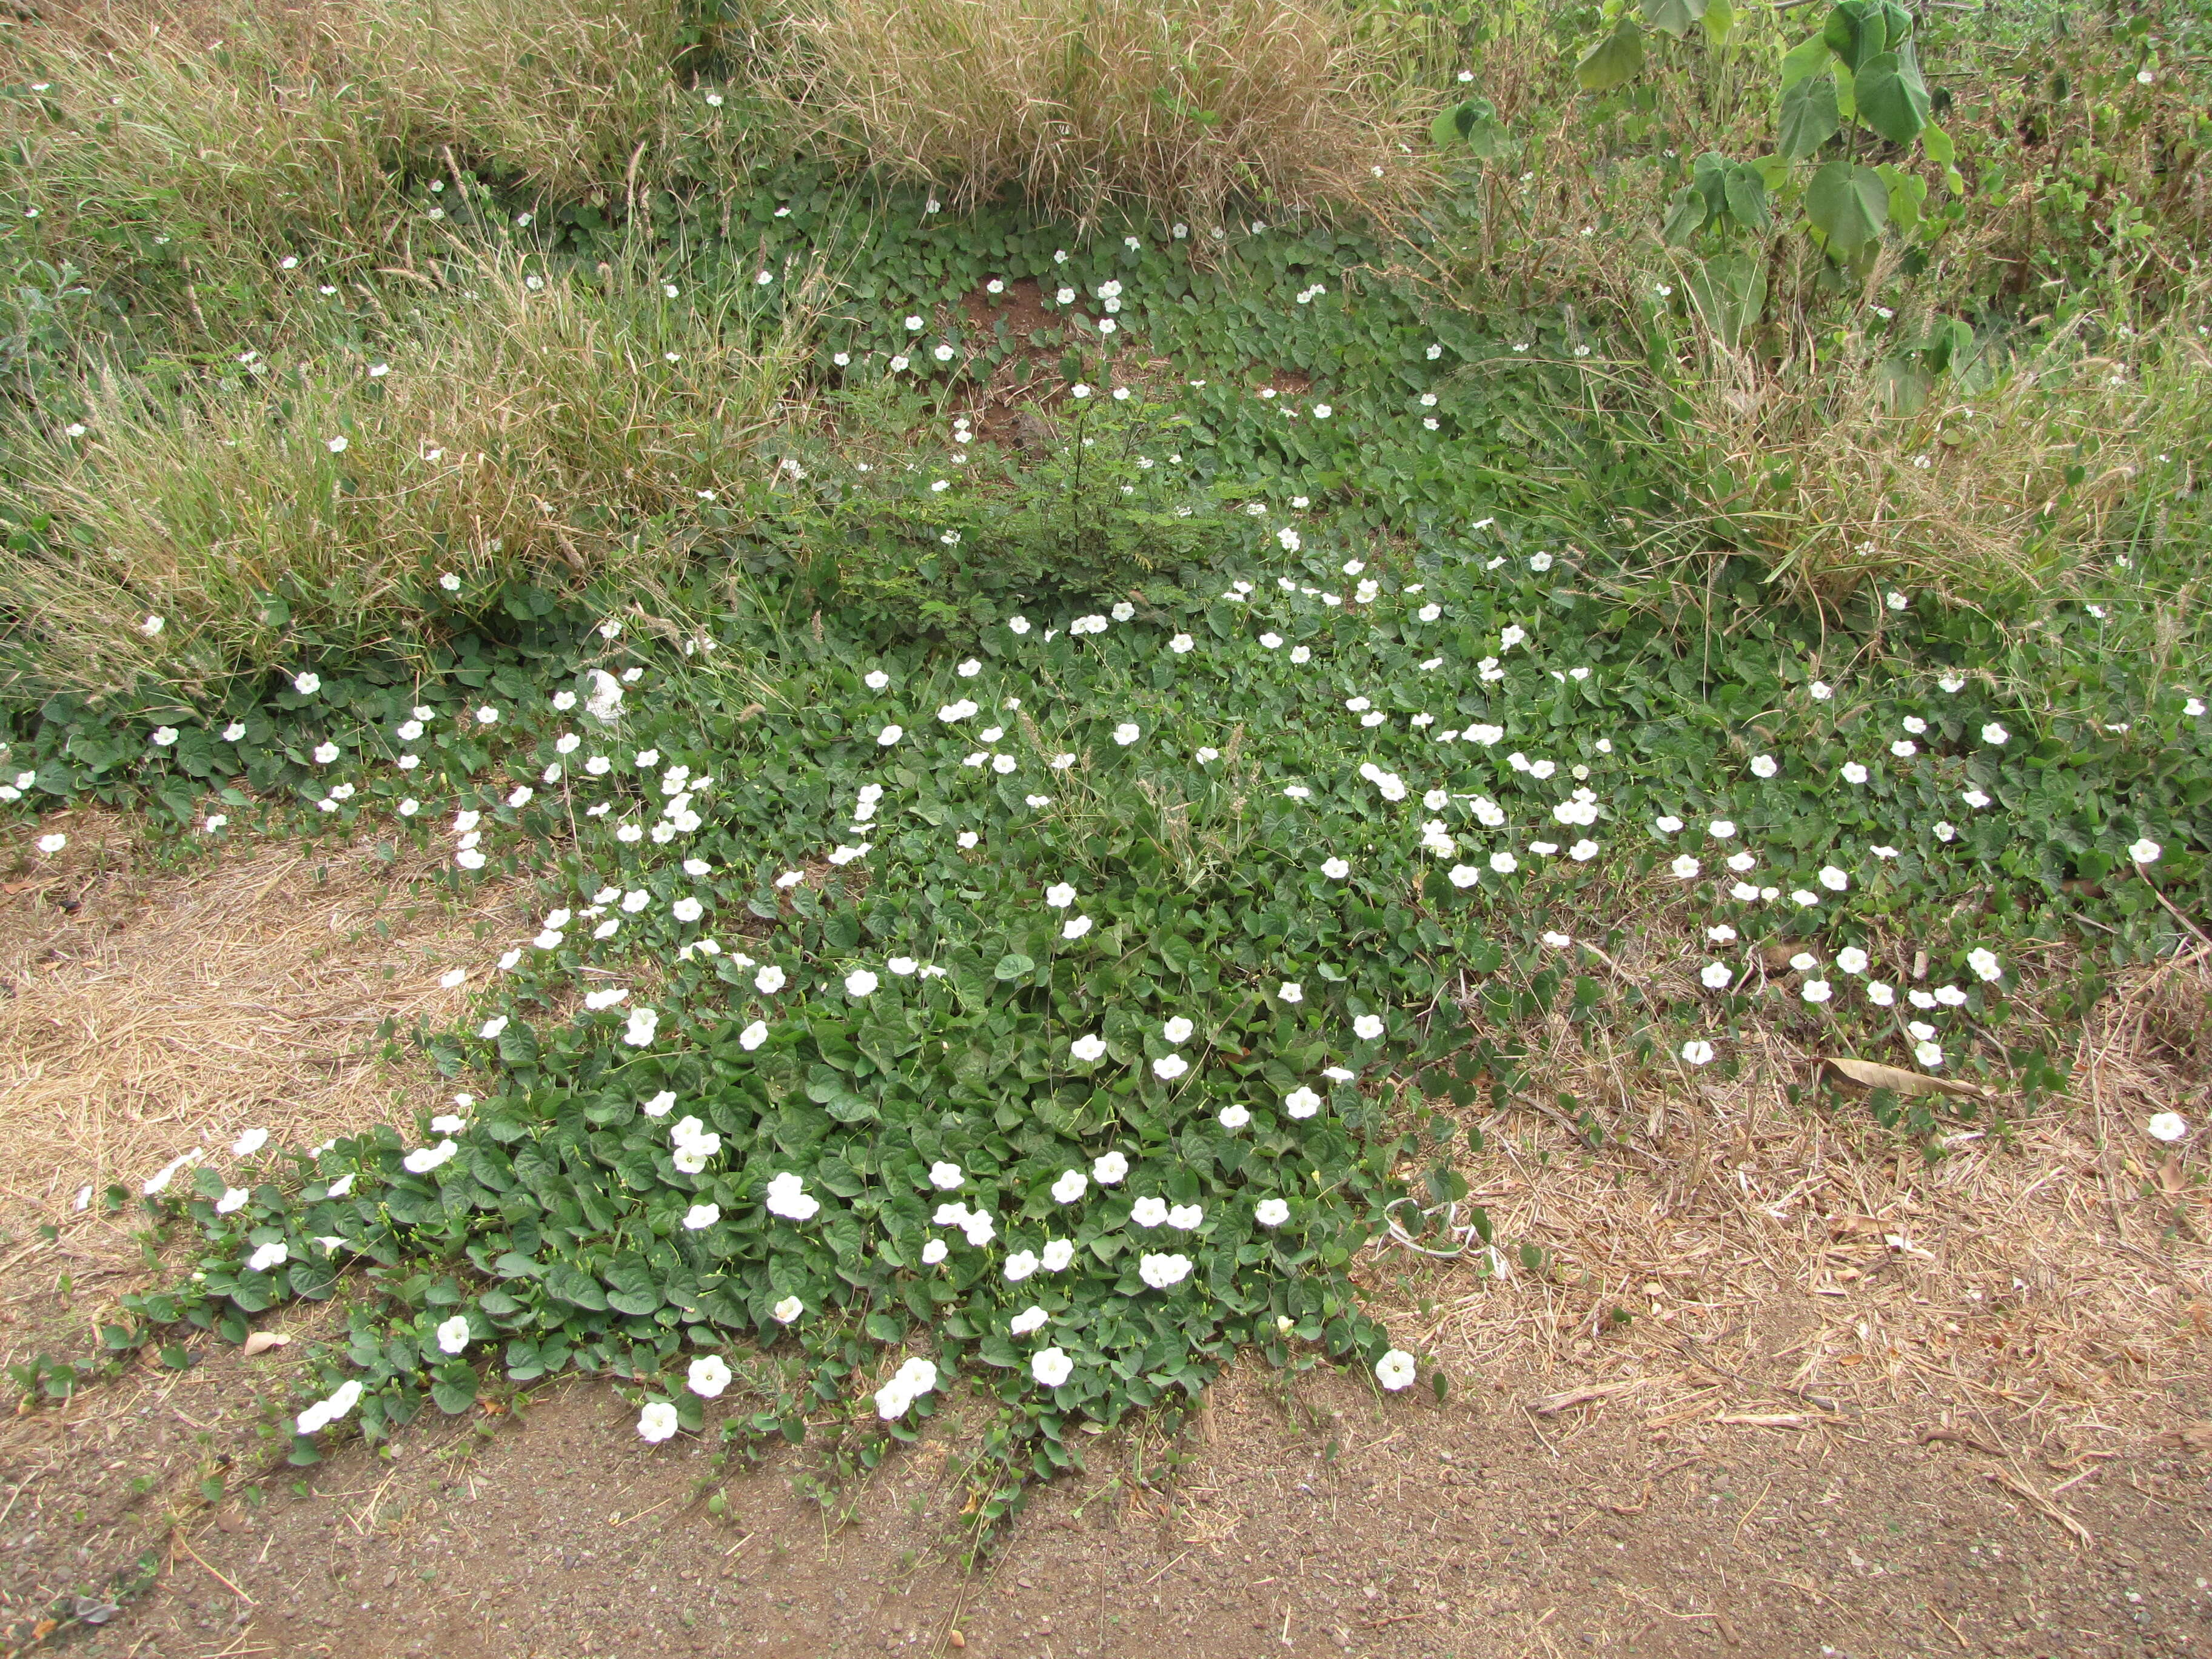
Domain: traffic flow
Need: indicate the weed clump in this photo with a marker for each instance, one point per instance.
(1092, 107)
(523, 432)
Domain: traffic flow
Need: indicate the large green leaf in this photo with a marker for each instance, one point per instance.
(1674, 17)
(1686, 214)
(1893, 99)
(1730, 292)
(1746, 199)
(1810, 118)
(1857, 32)
(1612, 61)
(1848, 204)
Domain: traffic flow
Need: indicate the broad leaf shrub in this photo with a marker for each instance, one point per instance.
(1054, 1010)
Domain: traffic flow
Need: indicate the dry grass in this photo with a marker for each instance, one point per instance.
(239, 133)
(1089, 107)
(559, 435)
(147, 1013)
(1816, 463)
(2053, 1271)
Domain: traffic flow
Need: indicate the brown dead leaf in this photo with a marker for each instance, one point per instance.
(262, 1341)
(1873, 1074)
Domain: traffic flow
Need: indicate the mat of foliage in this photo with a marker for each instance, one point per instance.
(1137, 937)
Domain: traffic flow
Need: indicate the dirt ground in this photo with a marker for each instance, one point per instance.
(1858, 1404)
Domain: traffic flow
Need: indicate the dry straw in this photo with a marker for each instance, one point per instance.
(546, 433)
(1091, 107)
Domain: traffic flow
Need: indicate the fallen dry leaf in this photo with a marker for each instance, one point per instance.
(262, 1341)
(1873, 1074)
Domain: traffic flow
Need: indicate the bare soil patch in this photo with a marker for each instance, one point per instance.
(1777, 1385)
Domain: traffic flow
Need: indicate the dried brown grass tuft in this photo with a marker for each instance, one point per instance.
(1827, 463)
(145, 1013)
(523, 433)
(1090, 108)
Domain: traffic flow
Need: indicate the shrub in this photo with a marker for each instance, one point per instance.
(1087, 106)
(556, 435)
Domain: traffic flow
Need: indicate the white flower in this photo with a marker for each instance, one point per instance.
(769, 980)
(2145, 851)
(1177, 1030)
(1059, 895)
(1816, 990)
(657, 1422)
(1697, 1052)
(1367, 1027)
(268, 1256)
(644, 1023)
(787, 1310)
(1301, 1102)
(934, 1252)
(1070, 1186)
(1109, 1167)
(918, 1376)
(1834, 879)
(1057, 1254)
(1050, 1367)
(709, 1375)
(1184, 1217)
(424, 1159)
(1271, 1213)
(1852, 960)
(1127, 733)
(1763, 766)
(1088, 1048)
(1169, 1068)
(1854, 773)
(945, 1176)
(1162, 1272)
(335, 445)
(249, 1143)
(1880, 995)
(1019, 1266)
(1395, 1370)
(2168, 1127)
(786, 1195)
(453, 1334)
(1685, 867)
(860, 983)
(1929, 1054)
(1716, 975)
(1985, 964)
(701, 1217)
